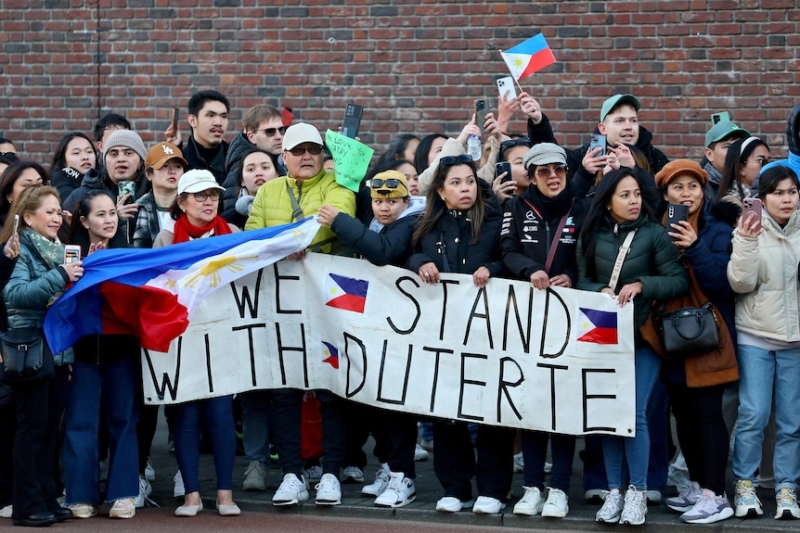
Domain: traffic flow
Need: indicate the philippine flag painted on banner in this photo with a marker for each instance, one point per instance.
(152, 294)
(598, 327)
(346, 293)
(330, 354)
(528, 57)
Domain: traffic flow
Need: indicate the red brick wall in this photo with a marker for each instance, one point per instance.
(415, 65)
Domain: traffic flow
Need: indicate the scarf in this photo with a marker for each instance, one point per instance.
(51, 252)
(713, 174)
(185, 231)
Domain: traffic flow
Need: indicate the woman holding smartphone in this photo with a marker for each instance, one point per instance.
(763, 272)
(105, 373)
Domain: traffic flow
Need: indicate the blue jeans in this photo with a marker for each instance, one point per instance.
(255, 425)
(117, 386)
(217, 414)
(764, 374)
(636, 450)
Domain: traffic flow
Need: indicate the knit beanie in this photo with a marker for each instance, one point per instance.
(128, 139)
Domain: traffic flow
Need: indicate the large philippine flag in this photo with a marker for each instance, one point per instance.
(346, 293)
(152, 293)
(598, 327)
(528, 57)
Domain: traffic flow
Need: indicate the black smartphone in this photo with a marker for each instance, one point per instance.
(675, 214)
(752, 205)
(596, 141)
(499, 168)
(174, 119)
(480, 113)
(352, 120)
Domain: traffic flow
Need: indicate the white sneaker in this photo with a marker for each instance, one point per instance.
(82, 510)
(6, 511)
(684, 501)
(292, 491)
(487, 505)
(612, 507)
(145, 489)
(787, 504)
(149, 471)
(352, 474)
(747, 503)
(709, 508)
(450, 504)
(556, 505)
(178, 490)
(399, 493)
(313, 473)
(255, 477)
(519, 463)
(420, 453)
(635, 508)
(329, 490)
(653, 496)
(380, 484)
(531, 503)
(123, 508)
(595, 496)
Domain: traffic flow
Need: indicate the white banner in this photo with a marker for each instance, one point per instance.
(507, 354)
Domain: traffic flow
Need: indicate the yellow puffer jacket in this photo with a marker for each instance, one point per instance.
(763, 273)
(273, 206)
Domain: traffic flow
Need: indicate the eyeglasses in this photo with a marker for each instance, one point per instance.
(508, 145)
(298, 151)
(214, 194)
(270, 132)
(450, 160)
(391, 183)
(545, 172)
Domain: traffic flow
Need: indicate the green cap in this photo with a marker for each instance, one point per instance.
(617, 100)
(724, 129)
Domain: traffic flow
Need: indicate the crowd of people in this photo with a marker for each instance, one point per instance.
(596, 218)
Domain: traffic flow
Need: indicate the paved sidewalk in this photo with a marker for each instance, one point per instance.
(581, 515)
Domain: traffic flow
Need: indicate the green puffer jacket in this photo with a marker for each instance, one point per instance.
(652, 260)
(273, 206)
(30, 290)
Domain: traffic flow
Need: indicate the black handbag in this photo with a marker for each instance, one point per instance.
(26, 355)
(689, 331)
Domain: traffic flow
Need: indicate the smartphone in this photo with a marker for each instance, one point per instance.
(352, 120)
(676, 213)
(716, 118)
(72, 253)
(127, 187)
(480, 114)
(499, 168)
(174, 119)
(505, 86)
(752, 205)
(596, 141)
(16, 225)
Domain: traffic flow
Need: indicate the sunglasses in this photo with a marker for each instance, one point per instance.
(391, 183)
(270, 132)
(313, 149)
(204, 195)
(545, 172)
(508, 145)
(450, 160)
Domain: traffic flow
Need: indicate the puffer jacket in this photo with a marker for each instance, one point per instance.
(652, 260)
(763, 274)
(196, 161)
(273, 206)
(66, 180)
(30, 289)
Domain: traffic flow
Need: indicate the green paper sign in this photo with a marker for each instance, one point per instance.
(350, 159)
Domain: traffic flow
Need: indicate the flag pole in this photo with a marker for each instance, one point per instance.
(516, 81)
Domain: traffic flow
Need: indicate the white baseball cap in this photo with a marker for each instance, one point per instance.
(300, 133)
(197, 181)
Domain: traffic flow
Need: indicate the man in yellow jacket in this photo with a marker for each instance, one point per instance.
(280, 201)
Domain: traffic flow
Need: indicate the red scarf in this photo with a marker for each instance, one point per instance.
(184, 231)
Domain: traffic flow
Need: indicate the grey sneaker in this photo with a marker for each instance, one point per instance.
(686, 499)
(612, 507)
(709, 508)
(255, 477)
(635, 508)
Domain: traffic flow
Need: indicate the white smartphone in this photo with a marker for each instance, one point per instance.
(16, 226)
(72, 253)
(505, 86)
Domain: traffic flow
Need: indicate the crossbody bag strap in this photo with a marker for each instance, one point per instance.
(297, 212)
(623, 252)
(556, 239)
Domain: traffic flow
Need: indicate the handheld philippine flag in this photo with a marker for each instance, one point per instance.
(598, 327)
(528, 57)
(152, 294)
(346, 293)
(330, 354)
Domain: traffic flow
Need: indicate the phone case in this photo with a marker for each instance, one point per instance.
(506, 86)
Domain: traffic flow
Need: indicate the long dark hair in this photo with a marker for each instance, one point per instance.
(240, 172)
(396, 149)
(82, 209)
(59, 157)
(392, 164)
(9, 178)
(435, 207)
(599, 209)
(735, 160)
(423, 149)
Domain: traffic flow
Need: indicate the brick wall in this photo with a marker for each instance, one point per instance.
(415, 65)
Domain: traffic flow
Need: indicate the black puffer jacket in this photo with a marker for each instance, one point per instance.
(449, 246)
(65, 180)
(216, 166)
(529, 224)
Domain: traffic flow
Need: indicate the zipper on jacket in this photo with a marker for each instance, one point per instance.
(616, 237)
